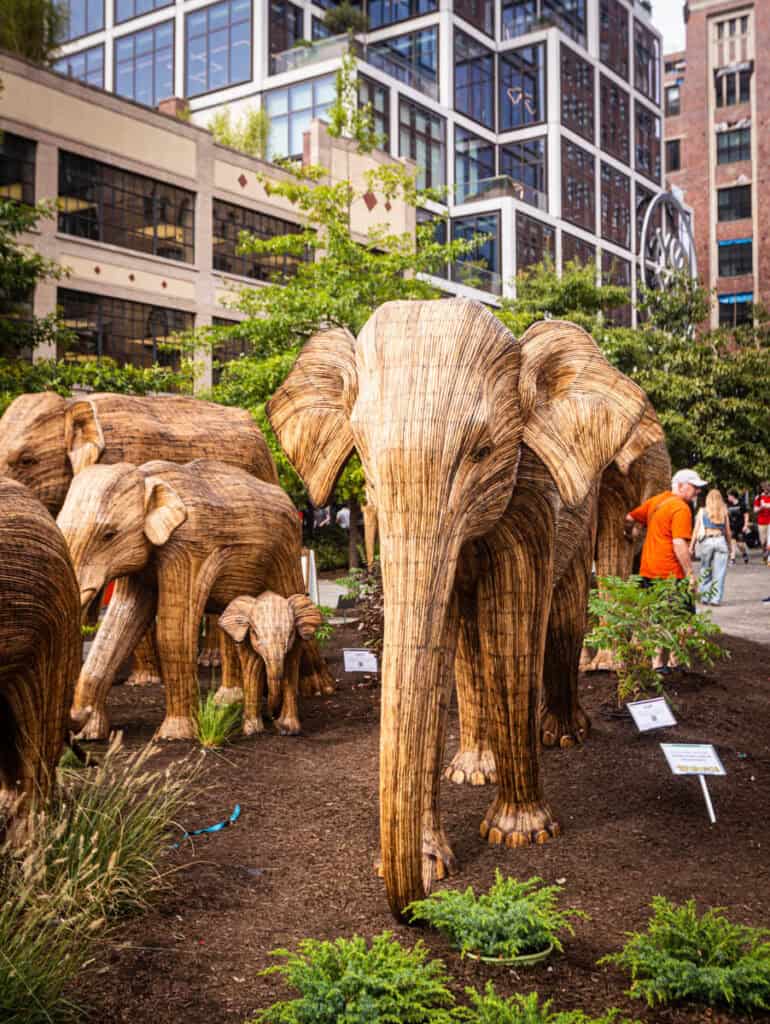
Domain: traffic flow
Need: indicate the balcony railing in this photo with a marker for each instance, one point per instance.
(402, 70)
(474, 276)
(315, 53)
(501, 187)
(520, 22)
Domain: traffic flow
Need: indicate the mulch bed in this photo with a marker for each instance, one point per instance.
(299, 861)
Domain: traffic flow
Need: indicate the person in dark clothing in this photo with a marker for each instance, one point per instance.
(738, 512)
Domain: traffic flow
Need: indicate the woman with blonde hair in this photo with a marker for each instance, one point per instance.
(712, 532)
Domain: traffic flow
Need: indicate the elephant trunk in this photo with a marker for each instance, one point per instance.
(418, 575)
(275, 672)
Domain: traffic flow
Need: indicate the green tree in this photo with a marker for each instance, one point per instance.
(344, 17)
(33, 29)
(250, 134)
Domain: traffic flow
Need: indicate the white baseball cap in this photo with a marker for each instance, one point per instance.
(687, 476)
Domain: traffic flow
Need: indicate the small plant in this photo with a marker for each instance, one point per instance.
(636, 621)
(512, 919)
(324, 632)
(250, 134)
(704, 959)
(491, 1008)
(216, 724)
(346, 982)
(88, 632)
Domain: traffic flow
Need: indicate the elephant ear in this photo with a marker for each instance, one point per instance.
(164, 510)
(234, 620)
(310, 411)
(647, 433)
(578, 410)
(307, 617)
(83, 435)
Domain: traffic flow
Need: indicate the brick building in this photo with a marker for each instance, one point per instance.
(717, 107)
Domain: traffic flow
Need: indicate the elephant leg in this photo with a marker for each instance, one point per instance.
(253, 674)
(231, 687)
(514, 602)
(129, 615)
(288, 723)
(145, 670)
(474, 762)
(563, 721)
(315, 677)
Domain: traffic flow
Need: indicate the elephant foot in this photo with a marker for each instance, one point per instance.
(288, 725)
(586, 658)
(228, 695)
(143, 677)
(251, 726)
(472, 768)
(179, 728)
(557, 730)
(603, 661)
(317, 684)
(94, 724)
(518, 824)
(438, 861)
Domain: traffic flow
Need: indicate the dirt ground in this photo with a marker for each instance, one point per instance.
(298, 863)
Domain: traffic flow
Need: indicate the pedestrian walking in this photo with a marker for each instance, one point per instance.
(712, 532)
(738, 514)
(762, 513)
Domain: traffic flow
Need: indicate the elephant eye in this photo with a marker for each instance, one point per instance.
(481, 453)
(110, 534)
(25, 459)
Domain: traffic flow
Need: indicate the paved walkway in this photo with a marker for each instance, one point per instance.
(742, 612)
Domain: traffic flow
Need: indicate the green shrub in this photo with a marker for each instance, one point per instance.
(216, 724)
(512, 919)
(346, 982)
(331, 548)
(491, 1008)
(324, 632)
(705, 959)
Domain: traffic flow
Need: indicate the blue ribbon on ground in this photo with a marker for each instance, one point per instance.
(211, 828)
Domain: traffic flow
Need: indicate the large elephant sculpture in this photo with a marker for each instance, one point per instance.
(39, 646)
(178, 539)
(471, 442)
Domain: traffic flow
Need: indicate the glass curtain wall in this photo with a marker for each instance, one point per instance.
(474, 163)
(474, 80)
(144, 64)
(522, 87)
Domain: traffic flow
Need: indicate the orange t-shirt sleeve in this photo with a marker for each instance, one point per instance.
(641, 512)
(681, 524)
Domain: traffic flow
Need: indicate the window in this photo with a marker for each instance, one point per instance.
(643, 200)
(127, 9)
(674, 155)
(736, 309)
(86, 66)
(218, 49)
(292, 109)
(577, 186)
(229, 349)
(615, 116)
(535, 242)
(736, 257)
(576, 250)
(734, 203)
(17, 168)
(521, 16)
(647, 143)
(107, 204)
(673, 100)
(734, 146)
(525, 163)
(422, 138)
(617, 271)
(412, 59)
(616, 206)
(577, 94)
(479, 268)
(474, 162)
(732, 87)
(318, 30)
(378, 96)
(474, 80)
(522, 87)
(480, 13)
(388, 12)
(82, 17)
(613, 36)
(129, 332)
(646, 62)
(229, 222)
(144, 64)
(285, 28)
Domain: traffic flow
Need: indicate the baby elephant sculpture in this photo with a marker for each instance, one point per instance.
(274, 625)
(39, 645)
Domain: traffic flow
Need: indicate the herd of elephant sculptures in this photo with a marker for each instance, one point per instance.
(498, 469)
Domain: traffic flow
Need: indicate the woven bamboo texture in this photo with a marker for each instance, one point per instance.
(441, 402)
(179, 539)
(39, 646)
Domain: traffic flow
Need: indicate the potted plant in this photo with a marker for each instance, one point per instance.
(513, 923)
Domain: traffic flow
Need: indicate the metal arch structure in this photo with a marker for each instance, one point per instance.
(667, 248)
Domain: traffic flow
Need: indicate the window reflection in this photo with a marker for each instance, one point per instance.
(422, 138)
(292, 109)
(218, 50)
(474, 80)
(522, 87)
(86, 65)
(83, 17)
(474, 163)
(144, 64)
(229, 221)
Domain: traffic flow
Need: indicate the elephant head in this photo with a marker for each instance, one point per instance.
(273, 624)
(112, 518)
(44, 439)
(438, 398)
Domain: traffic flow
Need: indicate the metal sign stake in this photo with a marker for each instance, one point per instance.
(707, 798)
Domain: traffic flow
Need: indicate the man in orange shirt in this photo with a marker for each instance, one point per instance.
(666, 551)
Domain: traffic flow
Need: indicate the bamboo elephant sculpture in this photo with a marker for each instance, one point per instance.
(471, 442)
(178, 540)
(267, 631)
(39, 645)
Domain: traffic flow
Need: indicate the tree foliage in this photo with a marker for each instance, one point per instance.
(32, 29)
(249, 134)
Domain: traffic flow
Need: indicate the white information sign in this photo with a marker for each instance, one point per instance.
(310, 575)
(651, 714)
(693, 759)
(359, 660)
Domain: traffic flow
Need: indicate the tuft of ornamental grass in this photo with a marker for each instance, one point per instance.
(216, 724)
(490, 1008)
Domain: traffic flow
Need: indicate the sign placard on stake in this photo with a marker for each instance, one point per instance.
(310, 575)
(359, 660)
(651, 714)
(695, 759)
